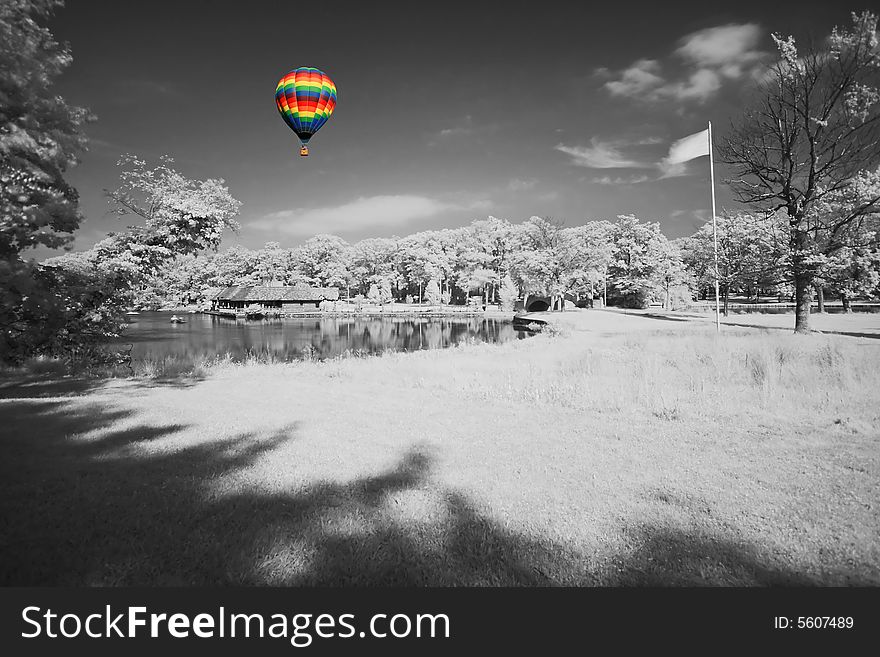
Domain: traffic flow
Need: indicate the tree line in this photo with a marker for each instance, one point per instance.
(625, 262)
(491, 258)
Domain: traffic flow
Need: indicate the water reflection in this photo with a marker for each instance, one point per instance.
(153, 335)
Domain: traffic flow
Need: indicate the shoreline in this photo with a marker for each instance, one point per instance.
(334, 314)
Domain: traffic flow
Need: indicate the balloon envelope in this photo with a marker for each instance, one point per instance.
(306, 98)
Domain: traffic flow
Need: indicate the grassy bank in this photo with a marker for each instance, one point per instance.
(602, 456)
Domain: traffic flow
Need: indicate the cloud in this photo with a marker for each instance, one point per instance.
(480, 205)
(620, 180)
(518, 185)
(452, 132)
(465, 127)
(728, 47)
(362, 213)
(693, 217)
(669, 170)
(637, 80)
(708, 58)
(599, 155)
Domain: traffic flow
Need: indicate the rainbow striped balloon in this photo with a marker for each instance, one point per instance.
(305, 98)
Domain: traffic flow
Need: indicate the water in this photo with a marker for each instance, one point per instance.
(152, 335)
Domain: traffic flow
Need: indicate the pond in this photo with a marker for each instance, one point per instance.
(153, 335)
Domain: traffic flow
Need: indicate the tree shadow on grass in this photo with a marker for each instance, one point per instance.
(27, 385)
(665, 318)
(84, 504)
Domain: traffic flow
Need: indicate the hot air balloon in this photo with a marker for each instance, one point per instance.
(305, 98)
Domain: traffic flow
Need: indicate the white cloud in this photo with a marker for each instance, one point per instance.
(599, 155)
(727, 47)
(451, 132)
(620, 180)
(480, 205)
(364, 212)
(649, 141)
(701, 85)
(465, 127)
(640, 78)
(519, 185)
(710, 57)
(669, 170)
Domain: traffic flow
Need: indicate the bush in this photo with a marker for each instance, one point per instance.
(58, 311)
(634, 299)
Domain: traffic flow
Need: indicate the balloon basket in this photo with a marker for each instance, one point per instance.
(303, 151)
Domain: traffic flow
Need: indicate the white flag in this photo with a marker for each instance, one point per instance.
(689, 148)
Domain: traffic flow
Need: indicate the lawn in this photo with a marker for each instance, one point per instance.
(630, 450)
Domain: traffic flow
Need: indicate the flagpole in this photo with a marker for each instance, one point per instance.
(714, 231)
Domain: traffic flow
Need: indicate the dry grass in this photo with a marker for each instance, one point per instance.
(644, 458)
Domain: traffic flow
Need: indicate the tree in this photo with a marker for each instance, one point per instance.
(432, 293)
(635, 273)
(40, 138)
(752, 253)
(675, 279)
(40, 134)
(854, 269)
(180, 217)
(273, 264)
(508, 294)
(813, 134)
(63, 309)
(385, 294)
(539, 261)
(585, 255)
(491, 243)
(235, 266)
(483, 280)
(323, 261)
(370, 258)
(415, 263)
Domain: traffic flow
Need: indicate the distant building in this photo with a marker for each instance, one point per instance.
(281, 299)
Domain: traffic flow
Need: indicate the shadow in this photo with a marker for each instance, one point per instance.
(20, 386)
(790, 329)
(89, 501)
(873, 336)
(668, 556)
(29, 386)
(665, 318)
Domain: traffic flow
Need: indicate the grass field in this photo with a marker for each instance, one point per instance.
(628, 451)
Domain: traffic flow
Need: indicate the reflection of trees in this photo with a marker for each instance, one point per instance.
(287, 339)
(433, 335)
(504, 332)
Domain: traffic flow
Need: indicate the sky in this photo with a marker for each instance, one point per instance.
(447, 112)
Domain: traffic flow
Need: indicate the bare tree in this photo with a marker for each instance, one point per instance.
(810, 140)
